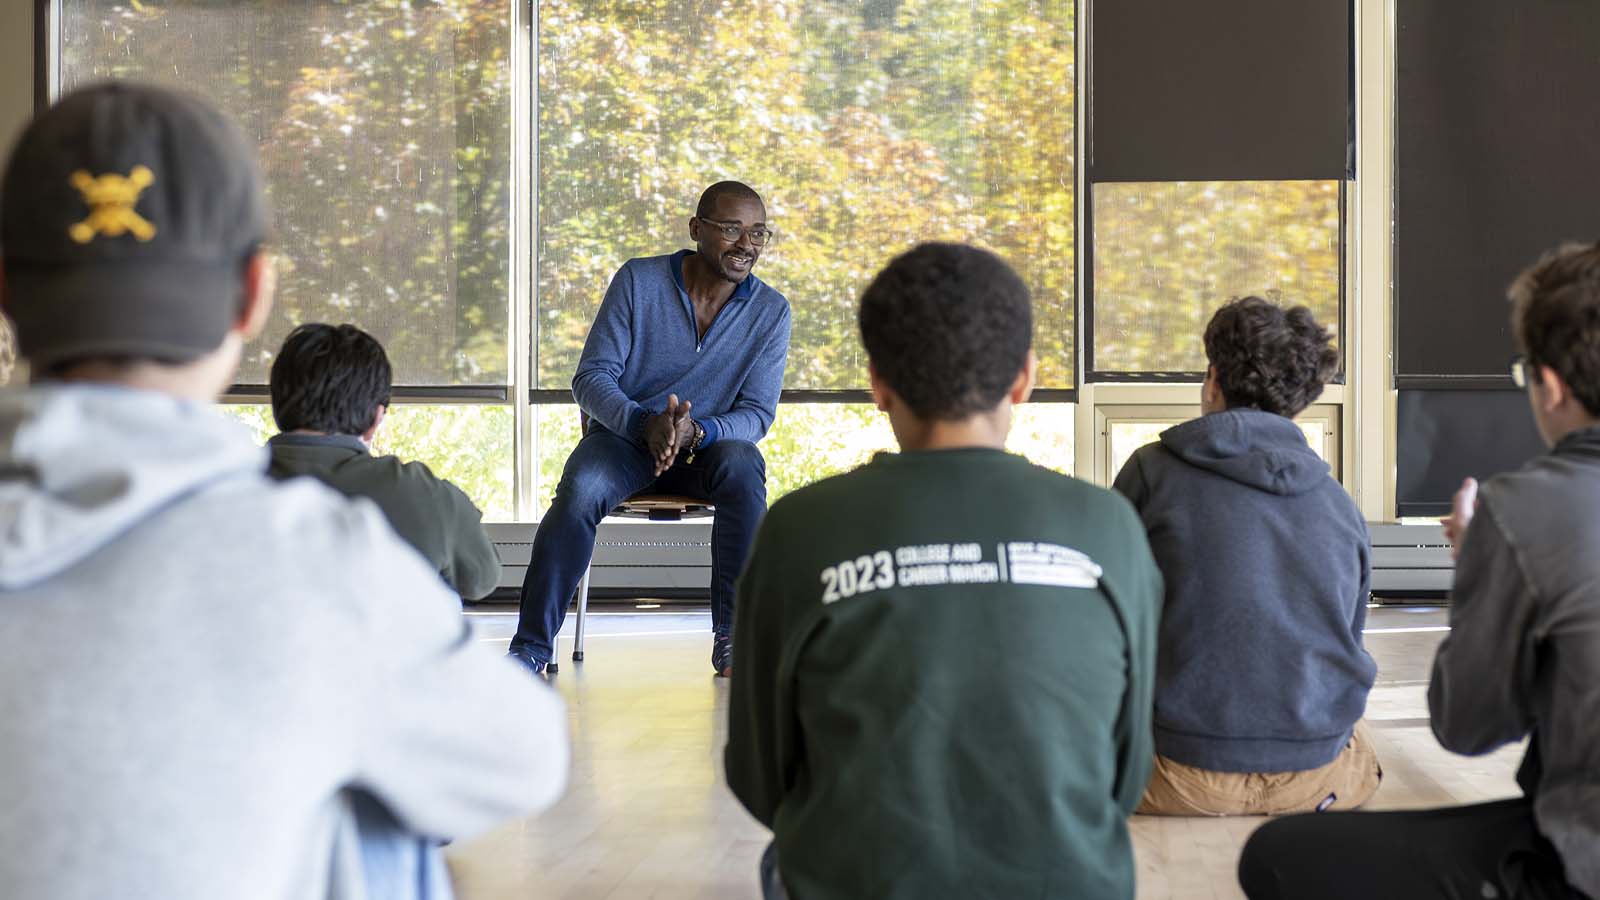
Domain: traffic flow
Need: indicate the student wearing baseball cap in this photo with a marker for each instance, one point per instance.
(207, 678)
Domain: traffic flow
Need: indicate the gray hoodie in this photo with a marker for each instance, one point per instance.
(1523, 654)
(195, 661)
(1260, 665)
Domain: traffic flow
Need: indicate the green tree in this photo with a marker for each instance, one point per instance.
(384, 128)
(869, 128)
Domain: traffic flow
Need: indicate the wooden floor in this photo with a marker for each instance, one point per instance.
(646, 814)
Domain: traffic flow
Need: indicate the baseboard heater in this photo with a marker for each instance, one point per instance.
(633, 559)
(1410, 562)
(672, 561)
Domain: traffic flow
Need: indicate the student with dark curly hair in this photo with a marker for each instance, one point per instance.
(945, 657)
(1522, 659)
(1262, 678)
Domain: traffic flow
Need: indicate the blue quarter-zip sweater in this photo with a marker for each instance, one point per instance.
(644, 345)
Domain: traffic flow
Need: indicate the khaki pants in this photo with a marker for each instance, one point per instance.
(1349, 781)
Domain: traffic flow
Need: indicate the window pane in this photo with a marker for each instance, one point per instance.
(1044, 433)
(385, 140)
(468, 445)
(556, 428)
(255, 416)
(810, 441)
(1128, 436)
(867, 127)
(1167, 255)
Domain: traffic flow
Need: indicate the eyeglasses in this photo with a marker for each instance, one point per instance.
(1520, 375)
(759, 235)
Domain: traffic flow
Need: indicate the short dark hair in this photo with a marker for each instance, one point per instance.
(1555, 316)
(1267, 357)
(736, 189)
(329, 378)
(948, 327)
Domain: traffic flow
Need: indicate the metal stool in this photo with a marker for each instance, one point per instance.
(656, 508)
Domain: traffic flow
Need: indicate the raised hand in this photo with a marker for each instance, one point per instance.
(1462, 507)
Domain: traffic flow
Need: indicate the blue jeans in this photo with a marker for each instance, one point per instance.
(375, 856)
(606, 469)
(771, 882)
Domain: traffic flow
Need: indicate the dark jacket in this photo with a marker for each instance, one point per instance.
(431, 514)
(943, 689)
(1523, 654)
(1266, 561)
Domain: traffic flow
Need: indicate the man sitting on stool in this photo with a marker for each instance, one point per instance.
(330, 392)
(695, 325)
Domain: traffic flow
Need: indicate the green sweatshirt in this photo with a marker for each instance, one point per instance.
(431, 514)
(944, 664)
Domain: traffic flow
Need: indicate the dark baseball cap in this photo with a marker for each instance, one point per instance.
(127, 215)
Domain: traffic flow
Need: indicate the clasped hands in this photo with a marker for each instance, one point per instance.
(667, 432)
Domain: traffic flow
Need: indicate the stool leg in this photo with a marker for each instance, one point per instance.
(583, 609)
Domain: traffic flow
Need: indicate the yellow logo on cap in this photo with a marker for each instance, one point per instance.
(111, 199)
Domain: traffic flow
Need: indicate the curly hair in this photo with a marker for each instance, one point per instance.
(1555, 316)
(329, 378)
(1269, 358)
(948, 327)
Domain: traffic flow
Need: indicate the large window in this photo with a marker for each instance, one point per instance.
(868, 127)
(462, 178)
(388, 134)
(385, 133)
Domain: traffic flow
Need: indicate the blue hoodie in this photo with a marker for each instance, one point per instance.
(1260, 665)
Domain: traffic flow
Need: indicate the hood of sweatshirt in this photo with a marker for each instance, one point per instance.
(1262, 450)
(82, 464)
